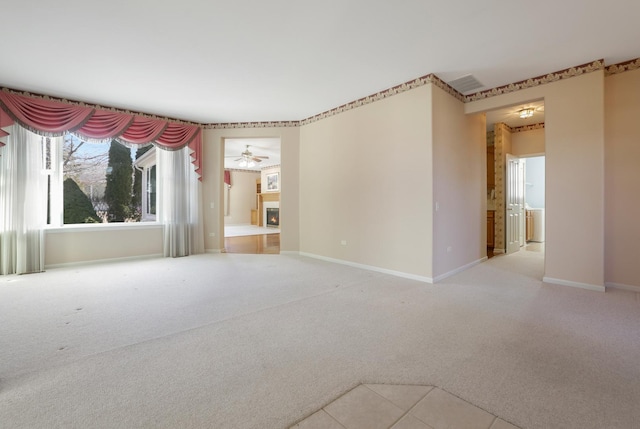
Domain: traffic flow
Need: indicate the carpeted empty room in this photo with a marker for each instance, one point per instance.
(264, 341)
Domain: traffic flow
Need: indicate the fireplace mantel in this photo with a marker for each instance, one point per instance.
(263, 198)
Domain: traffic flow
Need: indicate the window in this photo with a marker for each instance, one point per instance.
(97, 182)
(146, 163)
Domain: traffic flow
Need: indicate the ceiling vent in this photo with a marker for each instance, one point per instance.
(465, 84)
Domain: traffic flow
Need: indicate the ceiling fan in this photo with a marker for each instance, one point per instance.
(247, 159)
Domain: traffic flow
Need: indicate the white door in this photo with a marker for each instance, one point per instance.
(514, 203)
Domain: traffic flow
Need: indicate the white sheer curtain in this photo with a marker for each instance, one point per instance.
(23, 203)
(179, 203)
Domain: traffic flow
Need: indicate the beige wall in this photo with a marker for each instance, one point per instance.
(574, 148)
(213, 167)
(366, 178)
(74, 244)
(622, 167)
(528, 143)
(242, 197)
(459, 185)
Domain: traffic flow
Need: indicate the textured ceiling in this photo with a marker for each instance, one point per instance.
(212, 61)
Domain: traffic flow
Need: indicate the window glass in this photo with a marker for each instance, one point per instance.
(96, 182)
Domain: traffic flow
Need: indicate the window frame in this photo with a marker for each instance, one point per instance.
(52, 166)
(145, 164)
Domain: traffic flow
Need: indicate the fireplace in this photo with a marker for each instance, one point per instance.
(273, 217)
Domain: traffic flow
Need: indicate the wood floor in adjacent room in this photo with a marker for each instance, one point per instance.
(254, 244)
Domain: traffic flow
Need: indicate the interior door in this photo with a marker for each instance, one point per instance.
(514, 203)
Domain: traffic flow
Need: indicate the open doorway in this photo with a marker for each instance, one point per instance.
(252, 195)
(515, 135)
(534, 202)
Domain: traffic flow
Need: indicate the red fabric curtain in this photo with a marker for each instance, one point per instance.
(103, 123)
(56, 118)
(227, 177)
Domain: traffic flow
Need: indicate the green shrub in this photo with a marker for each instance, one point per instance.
(77, 205)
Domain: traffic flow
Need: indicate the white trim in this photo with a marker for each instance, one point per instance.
(459, 270)
(98, 227)
(498, 251)
(370, 268)
(289, 252)
(101, 261)
(212, 250)
(621, 286)
(597, 288)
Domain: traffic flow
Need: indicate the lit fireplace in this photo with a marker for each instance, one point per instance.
(273, 217)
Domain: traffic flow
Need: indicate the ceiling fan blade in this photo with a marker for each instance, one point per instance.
(263, 157)
(239, 159)
(256, 159)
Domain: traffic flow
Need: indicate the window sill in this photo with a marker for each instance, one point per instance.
(93, 227)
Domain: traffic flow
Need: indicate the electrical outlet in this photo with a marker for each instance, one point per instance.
(343, 242)
(449, 249)
(213, 205)
(212, 234)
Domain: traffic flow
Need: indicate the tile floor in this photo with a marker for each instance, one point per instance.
(386, 406)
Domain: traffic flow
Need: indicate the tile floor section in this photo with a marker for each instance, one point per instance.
(386, 406)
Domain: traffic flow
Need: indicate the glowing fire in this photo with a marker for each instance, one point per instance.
(273, 219)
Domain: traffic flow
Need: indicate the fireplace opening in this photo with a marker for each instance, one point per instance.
(273, 217)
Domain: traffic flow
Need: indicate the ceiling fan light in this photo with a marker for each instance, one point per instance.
(243, 163)
(251, 164)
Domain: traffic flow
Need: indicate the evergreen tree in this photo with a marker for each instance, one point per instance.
(77, 205)
(117, 193)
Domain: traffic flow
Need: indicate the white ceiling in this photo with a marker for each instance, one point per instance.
(256, 60)
(257, 146)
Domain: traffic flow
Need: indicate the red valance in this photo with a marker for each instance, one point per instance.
(55, 118)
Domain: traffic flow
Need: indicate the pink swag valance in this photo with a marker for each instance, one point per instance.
(54, 118)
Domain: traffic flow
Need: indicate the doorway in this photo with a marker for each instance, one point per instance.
(251, 187)
(512, 142)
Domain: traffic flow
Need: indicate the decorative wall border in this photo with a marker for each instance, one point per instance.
(532, 127)
(536, 81)
(622, 67)
(240, 170)
(232, 125)
(97, 106)
(398, 89)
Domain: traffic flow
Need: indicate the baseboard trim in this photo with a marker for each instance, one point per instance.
(499, 251)
(289, 252)
(369, 267)
(102, 261)
(212, 250)
(561, 282)
(623, 287)
(459, 269)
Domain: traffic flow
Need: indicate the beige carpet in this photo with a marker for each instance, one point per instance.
(261, 341)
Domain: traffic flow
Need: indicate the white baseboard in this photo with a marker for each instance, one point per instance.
(369, 267)
(597, 288)
(102, 261)
(623, 287)
(499, 251)
(212, 250)
(458, 270)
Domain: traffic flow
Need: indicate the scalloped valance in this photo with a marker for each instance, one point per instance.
(54, 118)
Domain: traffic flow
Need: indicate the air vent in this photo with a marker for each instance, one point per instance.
(465, 84)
